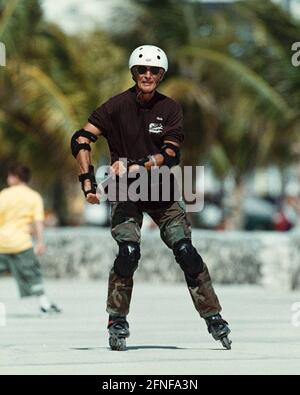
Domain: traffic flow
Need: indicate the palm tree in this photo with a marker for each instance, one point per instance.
(48, 90)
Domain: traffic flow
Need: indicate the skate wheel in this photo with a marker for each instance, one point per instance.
(226, 343)
(117, 344)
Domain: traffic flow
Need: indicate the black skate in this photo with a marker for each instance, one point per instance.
(219, 329)
(118, 329)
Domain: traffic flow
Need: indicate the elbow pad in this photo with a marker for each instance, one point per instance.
(170, 161)
(76, 147)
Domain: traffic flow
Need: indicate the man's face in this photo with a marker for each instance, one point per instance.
(147, 78)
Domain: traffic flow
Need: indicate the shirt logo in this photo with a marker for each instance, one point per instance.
(155, 128)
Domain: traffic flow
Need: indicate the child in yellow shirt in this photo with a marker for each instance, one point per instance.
(20, 208)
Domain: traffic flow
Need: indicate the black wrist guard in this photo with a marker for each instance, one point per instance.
(169, 160)
(89, 176)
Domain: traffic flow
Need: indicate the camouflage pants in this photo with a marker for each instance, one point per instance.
(126, 224)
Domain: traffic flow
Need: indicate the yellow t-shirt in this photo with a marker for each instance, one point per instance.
(20, 207)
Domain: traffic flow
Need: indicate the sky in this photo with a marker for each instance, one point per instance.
(75, 14)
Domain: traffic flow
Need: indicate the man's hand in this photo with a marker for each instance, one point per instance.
(133, 168)
(39, 249)
(92, 198)
(118, 168)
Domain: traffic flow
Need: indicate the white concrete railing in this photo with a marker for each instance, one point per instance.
(265, 258)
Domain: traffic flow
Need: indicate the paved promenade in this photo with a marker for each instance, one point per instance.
(167, 337)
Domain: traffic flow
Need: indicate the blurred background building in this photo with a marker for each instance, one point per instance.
(230, 68)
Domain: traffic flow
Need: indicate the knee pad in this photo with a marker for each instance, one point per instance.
(187, 257)
(127, 260)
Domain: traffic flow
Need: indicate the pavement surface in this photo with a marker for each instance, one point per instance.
(167, 335)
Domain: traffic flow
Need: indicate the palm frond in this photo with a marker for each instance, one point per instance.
(244, 74)
(7, 13)
(183, 88)
(43, 97)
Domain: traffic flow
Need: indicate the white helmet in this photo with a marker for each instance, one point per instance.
(148, 55)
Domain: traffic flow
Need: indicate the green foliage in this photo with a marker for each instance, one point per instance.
(51, 83)
(230, 67)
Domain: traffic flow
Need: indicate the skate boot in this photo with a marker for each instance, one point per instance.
(118, 329)
(219, 329)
